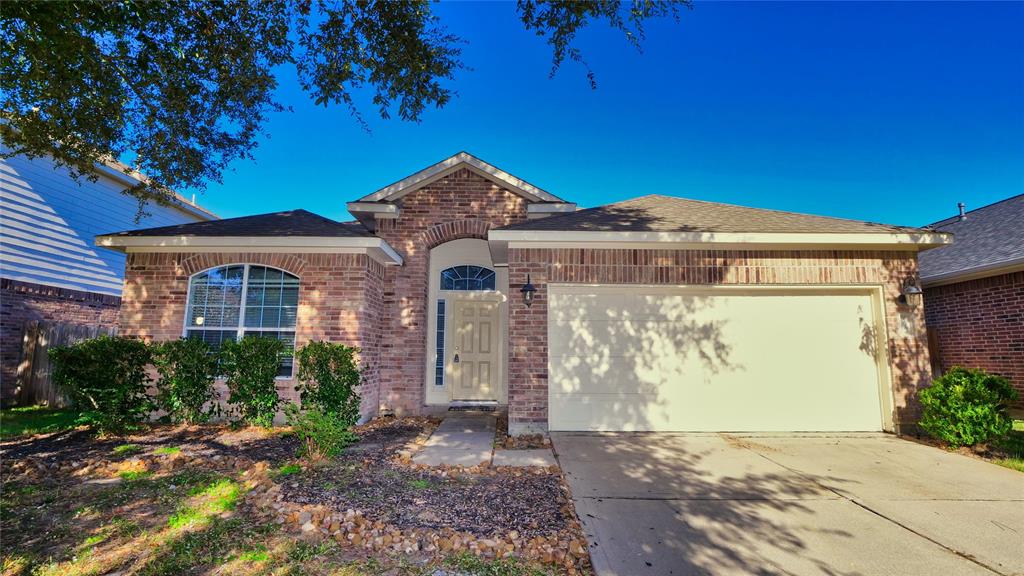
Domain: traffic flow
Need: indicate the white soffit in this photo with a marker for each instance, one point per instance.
(449, 165)
(501, 240)
(376, 248)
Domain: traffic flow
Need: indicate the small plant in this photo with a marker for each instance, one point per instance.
(167, 450)
(287, 470)
(187, 370)
(419, 484)
(250, 366)
(105, 378)
(328, 377)
(322, 434)
(965, 407)
(125, 449)
(135, 475)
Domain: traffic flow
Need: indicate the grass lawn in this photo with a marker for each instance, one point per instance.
(35, 420)
(1013, 446)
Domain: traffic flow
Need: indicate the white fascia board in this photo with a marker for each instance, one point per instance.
(551, 208)
(983, 271)
(585, 239)
(377, 209)
(376, 248)
(449, 165)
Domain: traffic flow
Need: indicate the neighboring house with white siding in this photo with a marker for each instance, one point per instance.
(50, 267)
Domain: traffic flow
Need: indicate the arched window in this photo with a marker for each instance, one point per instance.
(231, 302)
(467, 278)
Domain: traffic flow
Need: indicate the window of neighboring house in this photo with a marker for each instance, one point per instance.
(439, 348)
(231, 302)
(467, 278)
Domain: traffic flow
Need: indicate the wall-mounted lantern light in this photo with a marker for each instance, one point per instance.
(528, 289)
(911, 294)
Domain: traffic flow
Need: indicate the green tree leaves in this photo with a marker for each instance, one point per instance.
(179, 89)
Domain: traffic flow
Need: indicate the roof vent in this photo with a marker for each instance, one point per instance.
(962, 206)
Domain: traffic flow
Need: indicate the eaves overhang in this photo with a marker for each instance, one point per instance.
(374, 247)
(501, 240)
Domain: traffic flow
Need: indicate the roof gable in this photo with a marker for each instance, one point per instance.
(449, 165)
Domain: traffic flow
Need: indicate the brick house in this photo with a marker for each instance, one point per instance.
(974, 292)
(50, 269)
(465, 285)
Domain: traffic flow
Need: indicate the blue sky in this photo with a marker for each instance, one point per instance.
(874, 111)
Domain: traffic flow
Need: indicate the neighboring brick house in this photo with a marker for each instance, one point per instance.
(50, 269)
(466, 286)
(974, 292)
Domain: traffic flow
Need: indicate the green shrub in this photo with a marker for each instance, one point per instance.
(187, 370)
(965, 407)
(249, 367)
(322, 434)
(328, 376)
(105, 379)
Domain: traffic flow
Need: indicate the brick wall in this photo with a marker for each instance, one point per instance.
(980, 324)
(461, 205)
(336, 301)
(528, 374)
(21, 302)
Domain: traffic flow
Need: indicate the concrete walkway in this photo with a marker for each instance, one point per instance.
(462, 439)
(676, 504)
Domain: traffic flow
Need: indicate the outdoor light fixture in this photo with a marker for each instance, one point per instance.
(528, 289)
(911, 295)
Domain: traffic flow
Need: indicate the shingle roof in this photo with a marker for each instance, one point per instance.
(987, 237)
(290, 223)
(656, 213)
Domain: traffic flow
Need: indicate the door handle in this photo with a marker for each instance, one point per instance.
(456, 359)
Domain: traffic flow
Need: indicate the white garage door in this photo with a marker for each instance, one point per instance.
(713, 359)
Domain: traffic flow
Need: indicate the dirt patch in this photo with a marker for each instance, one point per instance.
(530, 503)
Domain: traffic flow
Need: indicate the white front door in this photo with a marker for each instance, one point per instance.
(473, 361)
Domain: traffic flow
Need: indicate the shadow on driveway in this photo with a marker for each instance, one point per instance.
(671, 504)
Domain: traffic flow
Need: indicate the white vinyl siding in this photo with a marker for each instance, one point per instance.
(48, 223)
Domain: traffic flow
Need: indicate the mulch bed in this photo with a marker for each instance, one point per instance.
(370, 478)
(198, 441)
(982, 451)
(525, 442)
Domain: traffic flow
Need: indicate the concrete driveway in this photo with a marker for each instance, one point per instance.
(658, 504)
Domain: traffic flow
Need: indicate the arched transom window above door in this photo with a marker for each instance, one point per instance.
(467, 278)
(232, 302)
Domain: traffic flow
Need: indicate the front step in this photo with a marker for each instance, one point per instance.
(467, 405)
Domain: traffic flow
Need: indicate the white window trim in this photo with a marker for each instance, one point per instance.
(241, 328)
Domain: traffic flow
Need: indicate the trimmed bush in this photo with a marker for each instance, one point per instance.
(105, 378)
(250, 366)
(187, 370)
(965, 407)
(323, 435)
(328, 377)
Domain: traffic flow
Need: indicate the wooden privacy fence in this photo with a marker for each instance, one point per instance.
(35, 386)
